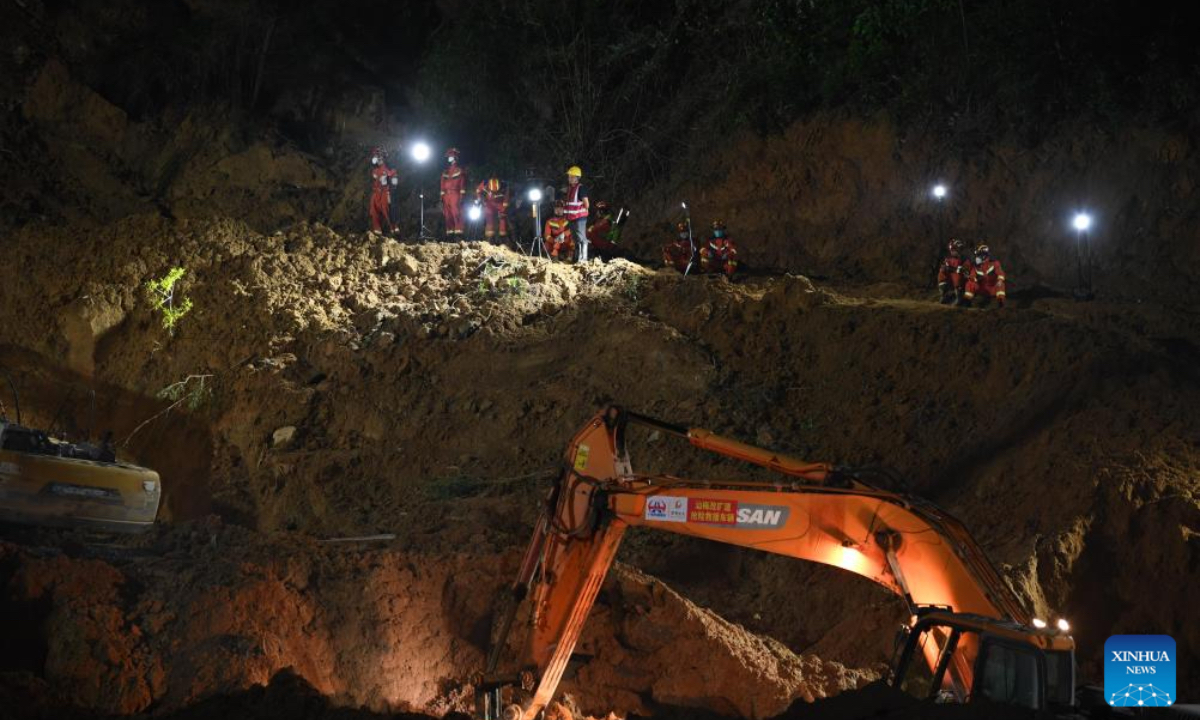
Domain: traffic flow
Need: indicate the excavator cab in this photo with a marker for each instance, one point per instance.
(953, 657)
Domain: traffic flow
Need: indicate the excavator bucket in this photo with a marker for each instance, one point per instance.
(44, 481)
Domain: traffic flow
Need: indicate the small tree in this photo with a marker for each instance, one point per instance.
(162, 295)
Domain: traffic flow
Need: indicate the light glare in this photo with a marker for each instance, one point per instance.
(535, 195)
(939, 191)
(1082, 221)
(420, 152)
(1063, 625)
(1039, 623)
(474, 213)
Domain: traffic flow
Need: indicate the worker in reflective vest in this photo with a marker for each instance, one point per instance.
(493, 193)
(576, 205)
(986, 278)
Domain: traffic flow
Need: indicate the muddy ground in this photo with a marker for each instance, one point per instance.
(354, 385)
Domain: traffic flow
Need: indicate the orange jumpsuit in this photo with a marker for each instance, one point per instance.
(557, 238)
(677, 254)
(380, 202)
(495, 207)
(986, 278)
(453, 189)
(953, 273)
(719, 255)
(598, 234)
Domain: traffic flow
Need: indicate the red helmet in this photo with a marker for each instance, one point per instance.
(682, 226)
(956, 245)
(559, 205)
(493, 185)
(983, 251)
(452, 151)
(601, 206)
(718, 225)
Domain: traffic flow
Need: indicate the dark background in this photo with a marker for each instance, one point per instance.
(628, 89)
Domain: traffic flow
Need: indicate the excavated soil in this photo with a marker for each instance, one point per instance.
(356, 385)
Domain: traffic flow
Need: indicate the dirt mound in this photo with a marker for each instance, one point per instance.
(651, 648)
(358, 385)
(81, 157)
(848, 197)
(205, 610)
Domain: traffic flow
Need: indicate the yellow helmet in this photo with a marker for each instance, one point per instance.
(574, 171)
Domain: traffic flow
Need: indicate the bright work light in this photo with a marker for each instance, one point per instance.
(535, 195)
(939, 191)
(474, 213)
(420, 152)
(1082, 221)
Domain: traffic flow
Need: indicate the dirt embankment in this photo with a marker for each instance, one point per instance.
(205, 610)
(850, 198)
(359, 385)
(75, 156)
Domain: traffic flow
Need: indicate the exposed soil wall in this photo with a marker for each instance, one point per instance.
(850, 198)
(361, 385)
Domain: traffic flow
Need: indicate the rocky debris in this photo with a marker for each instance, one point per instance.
(282, 437)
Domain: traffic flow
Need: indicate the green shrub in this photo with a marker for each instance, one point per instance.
(161, 293)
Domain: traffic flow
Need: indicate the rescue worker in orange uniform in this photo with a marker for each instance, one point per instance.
(453, 190)
(986, 278)
(577, 207)
(380, 204)
(557, 236)
(719, 254)
(600, 234)
(493, 194)
(678, 252)
(953, 273)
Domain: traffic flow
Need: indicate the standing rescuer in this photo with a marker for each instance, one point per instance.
(380, 200)
(557, 235)
(719, 254)
(493, 193)
(678, 252)
(576, 204)
(953, 273)
(453, 190)
(986, 277)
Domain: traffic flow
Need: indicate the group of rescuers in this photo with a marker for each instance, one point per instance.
(567, 234)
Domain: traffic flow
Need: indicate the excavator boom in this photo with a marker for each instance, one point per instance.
(813, 512)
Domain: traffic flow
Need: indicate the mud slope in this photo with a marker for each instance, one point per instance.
(359, 385)
(205, 609)
(849, 197)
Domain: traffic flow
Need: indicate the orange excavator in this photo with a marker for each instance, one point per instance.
(968, 637)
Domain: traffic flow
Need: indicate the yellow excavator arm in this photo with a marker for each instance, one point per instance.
(812, 512)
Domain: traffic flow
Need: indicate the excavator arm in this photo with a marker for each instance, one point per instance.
(812, 512)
